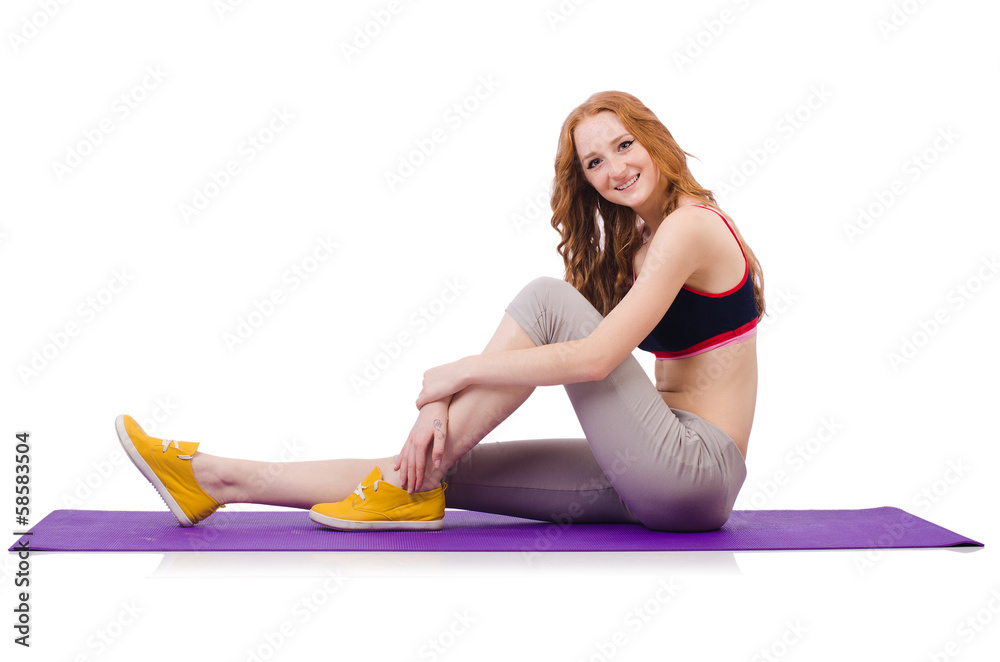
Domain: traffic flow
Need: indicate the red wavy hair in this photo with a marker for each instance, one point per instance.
(600, 238)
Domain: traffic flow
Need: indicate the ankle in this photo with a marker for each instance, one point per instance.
(211, 477)
(389, 475)
(432, 477)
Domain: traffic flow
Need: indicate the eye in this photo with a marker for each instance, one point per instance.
(625, 144)
(591, 163)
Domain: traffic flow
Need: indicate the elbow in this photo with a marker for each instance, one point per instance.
(596, 362)
(599, 369)
(604, 363)
(595, 374)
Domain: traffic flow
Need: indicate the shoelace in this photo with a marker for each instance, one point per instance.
(167, 443)
(360, 491)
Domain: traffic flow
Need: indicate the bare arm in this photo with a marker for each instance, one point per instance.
(677, 250)
(546, 365)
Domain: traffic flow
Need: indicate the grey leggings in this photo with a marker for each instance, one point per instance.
(641, 461)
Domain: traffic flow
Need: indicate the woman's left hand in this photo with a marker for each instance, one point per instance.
(442, 381)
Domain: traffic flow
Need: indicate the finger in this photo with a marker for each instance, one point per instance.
(407, 472)
(411, 471)
(421, 459)
(402, 452)
(440, 433)
(402, 467)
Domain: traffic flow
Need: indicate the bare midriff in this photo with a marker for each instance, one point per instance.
(719, 385)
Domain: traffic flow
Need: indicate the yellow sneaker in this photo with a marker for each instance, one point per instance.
(380, 506)
(166, 464)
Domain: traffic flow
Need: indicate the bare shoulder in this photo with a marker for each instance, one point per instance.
(687, 228)
(697, 214)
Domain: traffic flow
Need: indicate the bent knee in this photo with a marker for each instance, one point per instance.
(548, 294)
(545, 286)
(691, 512)
(688, 522)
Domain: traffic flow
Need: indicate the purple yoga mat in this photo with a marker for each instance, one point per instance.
(141, 531)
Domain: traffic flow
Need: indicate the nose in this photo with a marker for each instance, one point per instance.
(616, 168)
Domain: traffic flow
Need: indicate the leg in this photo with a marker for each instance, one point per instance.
(669, 469)
(556, 480)
(473, 413)
(291, 484)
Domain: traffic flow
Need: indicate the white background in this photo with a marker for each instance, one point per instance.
(825, 107)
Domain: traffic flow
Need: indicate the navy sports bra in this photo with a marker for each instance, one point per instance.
(698, 321)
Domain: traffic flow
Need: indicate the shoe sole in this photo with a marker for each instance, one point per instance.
(147, 471)
(353, 525)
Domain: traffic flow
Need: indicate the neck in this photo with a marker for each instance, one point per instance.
(651, 212)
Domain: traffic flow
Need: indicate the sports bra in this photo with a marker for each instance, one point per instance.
(698, 321)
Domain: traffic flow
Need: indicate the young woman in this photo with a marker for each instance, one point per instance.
(652, 263)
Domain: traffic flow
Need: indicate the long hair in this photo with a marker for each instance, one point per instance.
(599, 238)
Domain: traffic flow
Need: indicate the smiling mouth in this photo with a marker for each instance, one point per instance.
(627, 184)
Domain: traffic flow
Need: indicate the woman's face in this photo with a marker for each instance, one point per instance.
(614, 162)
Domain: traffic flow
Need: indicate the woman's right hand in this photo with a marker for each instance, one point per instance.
(430, 429)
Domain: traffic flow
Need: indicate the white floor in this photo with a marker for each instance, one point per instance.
(819, 605)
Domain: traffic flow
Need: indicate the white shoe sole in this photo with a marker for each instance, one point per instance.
(148, 472)
(352, 525)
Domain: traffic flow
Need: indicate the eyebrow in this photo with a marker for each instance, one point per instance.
(587, 156)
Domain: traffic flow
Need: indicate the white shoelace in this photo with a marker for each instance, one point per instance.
(360, 491)
(167, 443)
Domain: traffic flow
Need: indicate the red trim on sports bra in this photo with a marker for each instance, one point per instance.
(746, 271)
(707, 344)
